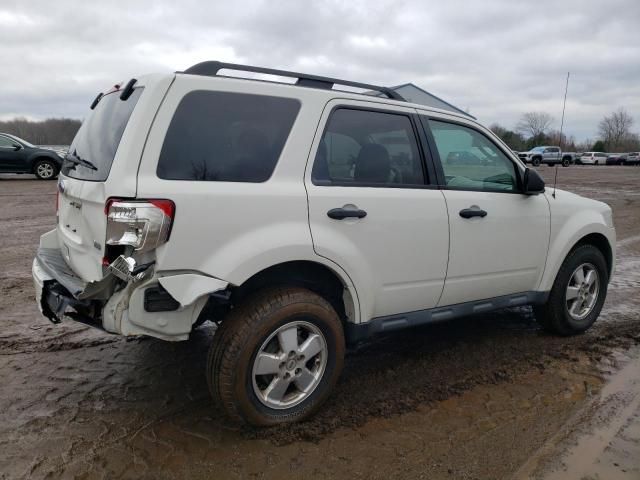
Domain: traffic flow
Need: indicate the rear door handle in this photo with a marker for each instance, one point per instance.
(473, 212)
(340, 213)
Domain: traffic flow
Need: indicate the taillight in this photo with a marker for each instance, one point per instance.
(142, 224)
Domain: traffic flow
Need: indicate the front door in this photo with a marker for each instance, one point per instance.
(499, 236)
(372, 210)
(11, 160)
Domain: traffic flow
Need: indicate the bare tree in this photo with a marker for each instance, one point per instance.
(614, 129)
(52, 131)
(534, 124)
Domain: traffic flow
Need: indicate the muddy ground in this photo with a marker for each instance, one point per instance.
(484, 397)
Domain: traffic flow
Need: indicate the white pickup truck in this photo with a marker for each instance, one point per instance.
(548, 155)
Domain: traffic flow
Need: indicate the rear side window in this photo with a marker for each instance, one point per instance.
(226, 137)
(99, 136)
(368, 148)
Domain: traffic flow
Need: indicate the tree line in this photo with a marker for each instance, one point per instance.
(534, 129)
(52, 131)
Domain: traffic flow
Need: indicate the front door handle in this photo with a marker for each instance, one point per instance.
(340, 213)
(473, 212)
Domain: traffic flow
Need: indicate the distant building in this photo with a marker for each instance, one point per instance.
(414, 94)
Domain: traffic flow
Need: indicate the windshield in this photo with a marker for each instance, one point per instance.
(537, 149)
(99, 136)
(18, 139)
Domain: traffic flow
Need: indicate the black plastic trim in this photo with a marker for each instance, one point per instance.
(211, 69)
(96, 100)
(340, 213)
(157, 299)
(358, 332)
(128, 89)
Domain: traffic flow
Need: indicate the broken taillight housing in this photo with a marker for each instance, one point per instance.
(142, 224)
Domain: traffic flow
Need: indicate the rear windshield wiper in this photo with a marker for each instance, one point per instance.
(75, 159)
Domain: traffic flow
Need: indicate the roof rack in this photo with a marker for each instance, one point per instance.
(211, 69)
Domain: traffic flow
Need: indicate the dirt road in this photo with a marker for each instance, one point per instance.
(483, 397)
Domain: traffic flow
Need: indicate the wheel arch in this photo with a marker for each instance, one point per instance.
(315, 276)
(596, 234)
(33, 160)
(601, 242)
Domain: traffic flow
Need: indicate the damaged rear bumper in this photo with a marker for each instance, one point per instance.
(60, 293)
(122, 307)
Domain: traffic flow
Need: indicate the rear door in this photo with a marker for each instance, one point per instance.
(372, 209)
(499, 237)
(552, 155)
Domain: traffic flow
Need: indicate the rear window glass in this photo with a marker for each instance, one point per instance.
(226, 137)
(99, 136)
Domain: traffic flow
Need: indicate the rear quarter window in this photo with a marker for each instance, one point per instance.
(226, 137)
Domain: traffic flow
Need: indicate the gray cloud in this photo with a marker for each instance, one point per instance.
(496, 58)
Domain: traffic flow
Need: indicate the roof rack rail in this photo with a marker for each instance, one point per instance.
(211, 69)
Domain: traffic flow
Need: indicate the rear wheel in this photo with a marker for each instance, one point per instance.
(45, 169)
(578, 293)
(566, 162)
(276, 357)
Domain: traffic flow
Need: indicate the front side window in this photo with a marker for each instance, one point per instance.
(368, 148)
(6, 143)
(470, 161)
(226, 137)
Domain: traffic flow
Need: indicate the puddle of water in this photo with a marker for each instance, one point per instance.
(611, 448)
(627, 274)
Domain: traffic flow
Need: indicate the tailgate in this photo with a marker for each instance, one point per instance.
(103, 163)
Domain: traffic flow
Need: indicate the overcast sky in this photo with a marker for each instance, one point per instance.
(495, 58)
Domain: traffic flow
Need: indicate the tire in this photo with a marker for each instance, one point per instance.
(249, 330)
(45, 169)
(596, 162)
(535, 162)
(554, 316)
(566, 162)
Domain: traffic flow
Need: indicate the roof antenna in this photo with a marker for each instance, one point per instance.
(564, 105)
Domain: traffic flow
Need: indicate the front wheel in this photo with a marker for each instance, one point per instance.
(45, 169)
(276, 357)
(578, 293)
(535, 162)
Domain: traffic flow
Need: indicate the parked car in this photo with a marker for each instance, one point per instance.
(633, 158)
(617, 159)
(19, 156)
(301, 219)
(593, 158)
(548, 155)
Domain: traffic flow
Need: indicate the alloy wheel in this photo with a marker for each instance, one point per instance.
(289, 365)
(582, 291)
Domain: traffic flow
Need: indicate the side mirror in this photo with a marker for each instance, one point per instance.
(17, 147)
(532, 183)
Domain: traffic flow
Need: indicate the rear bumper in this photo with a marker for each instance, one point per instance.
(133, 308)
(58, 290)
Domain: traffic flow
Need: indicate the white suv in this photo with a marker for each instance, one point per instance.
(593, 158)
(300, 218)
